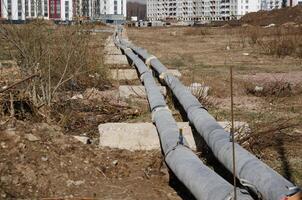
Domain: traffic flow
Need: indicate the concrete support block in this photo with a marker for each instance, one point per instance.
(130, 74)
(143, 136)
(116, 60)
(123, 74)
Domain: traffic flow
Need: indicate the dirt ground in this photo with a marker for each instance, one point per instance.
(278, 16)
(40, 158)
(204, 55)
(39, 161)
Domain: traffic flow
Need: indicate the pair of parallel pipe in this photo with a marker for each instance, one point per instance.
(251, 172)
(202, 182)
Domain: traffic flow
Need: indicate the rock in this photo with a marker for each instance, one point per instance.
(75, 183)
(3, 145)
(270, 25)
(77, 96)
(5, 179)
(31, 137)
(83, 139)
(258, 88)
(246, 54)
(115, 162)
(44, 158)
(11, 133)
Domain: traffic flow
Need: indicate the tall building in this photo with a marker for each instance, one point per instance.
(28, 9)
(65, 10)
(200, 10)
(209, 10)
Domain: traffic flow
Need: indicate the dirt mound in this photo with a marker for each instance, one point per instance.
(278, 16)
(39, 161)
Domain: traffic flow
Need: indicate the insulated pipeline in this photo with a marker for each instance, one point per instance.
(252, 172)
(202, 182)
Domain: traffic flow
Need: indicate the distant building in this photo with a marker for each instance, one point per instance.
(28, 9)
(208, 10)
(64, 10)
(200, 10)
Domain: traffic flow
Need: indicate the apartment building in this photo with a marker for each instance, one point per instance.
(200, 10)
(209, 10)
(29, 9)
(64, 10)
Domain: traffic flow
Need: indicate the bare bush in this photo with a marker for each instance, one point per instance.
(267, 132)
(279, 41)
(61, 56)
(276, 88)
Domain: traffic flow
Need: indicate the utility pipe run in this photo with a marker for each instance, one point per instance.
(202, 182)
(251, 172)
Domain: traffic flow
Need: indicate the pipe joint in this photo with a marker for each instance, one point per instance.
(143, 74)
(178, 145)
(148, 60)
(156, 109)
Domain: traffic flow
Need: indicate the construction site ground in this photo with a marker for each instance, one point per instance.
(40, 158)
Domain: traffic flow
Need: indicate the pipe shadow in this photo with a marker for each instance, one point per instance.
(286, 167)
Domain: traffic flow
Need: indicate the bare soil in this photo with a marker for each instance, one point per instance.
(54, 165)
(276, 16)
(205, 54)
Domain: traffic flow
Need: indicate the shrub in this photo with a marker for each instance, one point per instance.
(61, 55)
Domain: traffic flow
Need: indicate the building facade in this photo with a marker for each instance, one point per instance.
(44, 9)
(208, 10)
(200, 10)
(64, 10)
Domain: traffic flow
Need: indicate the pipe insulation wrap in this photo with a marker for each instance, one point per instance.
(203, 183)
(250, 170)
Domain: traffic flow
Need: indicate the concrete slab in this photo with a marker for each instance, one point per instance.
(136, 91)
(112, 51)
(123, 74)
(142, 136)
(134, 136)
(116, 60)
(113, 55)
(130, 74)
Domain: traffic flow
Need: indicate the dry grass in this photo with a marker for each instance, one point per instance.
(196, 32)
(280, 41)
(63, 58)
(273, 112)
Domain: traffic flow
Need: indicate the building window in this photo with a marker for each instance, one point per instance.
(9, 8)
(19, 8)
(66, 10)
(39, 8)
(122, 7)
(26, 8)
(115, 7)
(32, 8)
(45, 8)
(54, 8)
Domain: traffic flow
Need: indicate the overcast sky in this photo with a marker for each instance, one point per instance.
(139, 1)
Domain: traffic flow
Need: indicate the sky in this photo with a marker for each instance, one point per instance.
(139, 1)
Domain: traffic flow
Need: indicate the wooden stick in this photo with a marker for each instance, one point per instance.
(21, 81)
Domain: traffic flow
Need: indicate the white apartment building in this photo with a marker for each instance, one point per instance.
(64, 10)
(271, 4)
(28, 9)
(200, 10)
(115, 7)
(208, 10)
